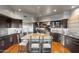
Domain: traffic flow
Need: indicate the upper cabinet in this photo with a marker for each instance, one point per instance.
(59, 23)
(65, 23)
(56, 24)
(16, 23)
(3, 23)
(6, 22)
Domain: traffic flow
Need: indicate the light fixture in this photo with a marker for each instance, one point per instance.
(54, 10)
(19, 9)
(73, 7)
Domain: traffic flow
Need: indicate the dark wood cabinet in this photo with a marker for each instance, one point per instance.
(7, 22)
(72, 44)
(14, 38)
(7, 41)
(59, 23)
(64, 23)
(16, 23)
(2, 44)
(20, 23)
(56, 24)
(3, 23)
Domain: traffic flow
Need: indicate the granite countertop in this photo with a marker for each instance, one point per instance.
(74, 36)
(7, 34)
(71, 35)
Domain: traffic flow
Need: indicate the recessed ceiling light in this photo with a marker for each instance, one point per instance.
(73, 7)
(19, 9)
(54, 10)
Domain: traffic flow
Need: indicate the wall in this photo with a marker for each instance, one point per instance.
(14, 30)
(3, 31)
(73, 23)
(27, 27)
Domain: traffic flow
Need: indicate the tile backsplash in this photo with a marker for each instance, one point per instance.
(3, 31)
(8, 31)
(14, 30)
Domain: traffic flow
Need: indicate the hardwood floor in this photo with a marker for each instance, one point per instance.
(56, 48)
(16, 49)
(12, 49)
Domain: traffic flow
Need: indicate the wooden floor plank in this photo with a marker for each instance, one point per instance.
(56, 48)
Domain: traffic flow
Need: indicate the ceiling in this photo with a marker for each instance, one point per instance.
(41, 10)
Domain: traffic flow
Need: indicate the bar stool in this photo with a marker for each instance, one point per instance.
(34, 45)
(46, 45)
(22, 46)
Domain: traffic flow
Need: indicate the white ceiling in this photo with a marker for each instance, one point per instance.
(34, 13)
(41, 10)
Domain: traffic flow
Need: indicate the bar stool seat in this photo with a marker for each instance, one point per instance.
(35, 45)
(46, 45)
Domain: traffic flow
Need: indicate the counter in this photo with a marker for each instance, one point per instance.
(7, 41)
(71, 42)
(74, 36)
(8, 34)
(36, 41)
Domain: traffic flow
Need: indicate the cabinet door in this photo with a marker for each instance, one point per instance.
(9, 21)
(7, 42)
(20, 23)
(68, 42)
(3, 23)
(16, 23)
(64, 23)
(14, 36)
(11, 39)
(2, 44)
(13, 24)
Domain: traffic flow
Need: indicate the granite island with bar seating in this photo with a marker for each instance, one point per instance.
(37, 42)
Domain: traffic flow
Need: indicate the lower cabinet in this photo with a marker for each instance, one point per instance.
(15, 39)
(2, 44)
(72, 44)
(7, 41)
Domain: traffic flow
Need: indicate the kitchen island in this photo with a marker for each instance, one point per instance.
(37, 42)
